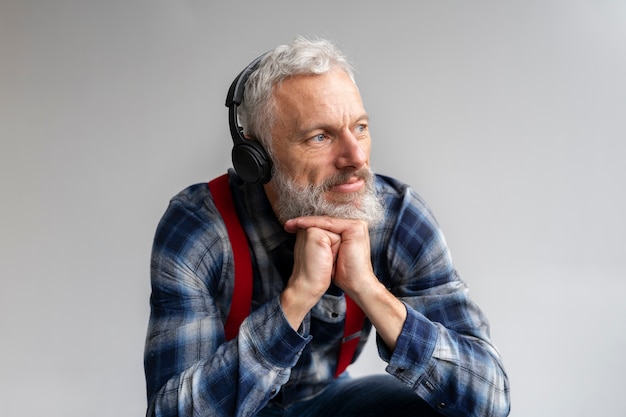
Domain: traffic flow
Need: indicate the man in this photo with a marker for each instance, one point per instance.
(321, 229)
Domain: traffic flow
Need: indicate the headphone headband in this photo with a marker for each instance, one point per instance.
(235, 92)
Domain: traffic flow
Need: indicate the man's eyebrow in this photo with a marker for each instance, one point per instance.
(312, 127)
(364, 118)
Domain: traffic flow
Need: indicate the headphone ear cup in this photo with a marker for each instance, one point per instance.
(251, 162)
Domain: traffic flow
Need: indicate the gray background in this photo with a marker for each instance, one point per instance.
(507, 116)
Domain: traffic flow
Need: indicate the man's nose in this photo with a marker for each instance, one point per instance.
(352, 151)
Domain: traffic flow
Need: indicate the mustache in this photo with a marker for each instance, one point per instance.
(341, 178)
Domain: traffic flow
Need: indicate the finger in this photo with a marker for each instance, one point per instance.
(332, 224)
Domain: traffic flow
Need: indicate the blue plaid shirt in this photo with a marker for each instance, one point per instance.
(444, 351)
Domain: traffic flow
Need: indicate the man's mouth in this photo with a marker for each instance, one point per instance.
(353, 185)
(347, 182)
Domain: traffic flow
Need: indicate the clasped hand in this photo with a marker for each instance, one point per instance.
(330, 249)
(337, 250)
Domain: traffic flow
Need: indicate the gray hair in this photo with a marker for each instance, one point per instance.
(257, 112)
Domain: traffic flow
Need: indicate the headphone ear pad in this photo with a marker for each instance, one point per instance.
(251, 162)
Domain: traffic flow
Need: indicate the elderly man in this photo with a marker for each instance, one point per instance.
(326, 237)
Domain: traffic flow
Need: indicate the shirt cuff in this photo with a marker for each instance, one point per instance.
(414, 348)
(273, 339)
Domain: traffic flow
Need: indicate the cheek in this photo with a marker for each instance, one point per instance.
(297, 172)
(305, 174)
(307, 168)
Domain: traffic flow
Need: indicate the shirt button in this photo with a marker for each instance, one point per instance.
(441, 406)
(334, 315)
(273, 391)
(400, 370)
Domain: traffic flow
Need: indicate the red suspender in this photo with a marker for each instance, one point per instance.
(242, 293)
(351, 335)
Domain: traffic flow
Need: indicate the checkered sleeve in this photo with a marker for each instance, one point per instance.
(190, 368)
(444, 350)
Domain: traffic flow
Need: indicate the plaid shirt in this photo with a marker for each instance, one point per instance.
(444, 351)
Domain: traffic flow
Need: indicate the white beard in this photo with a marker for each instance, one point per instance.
(296, 201)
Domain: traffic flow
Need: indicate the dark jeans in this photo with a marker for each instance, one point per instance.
(370, 396)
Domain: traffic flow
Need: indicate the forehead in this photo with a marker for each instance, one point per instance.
(309, 93)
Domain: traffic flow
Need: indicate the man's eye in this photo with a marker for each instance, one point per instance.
(361, 128)
(318, 138)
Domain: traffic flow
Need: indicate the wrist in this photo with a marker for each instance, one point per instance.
(295, 307)
(386, 313)
(368, 293)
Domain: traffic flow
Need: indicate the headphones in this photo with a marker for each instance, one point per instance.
(250, 159)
